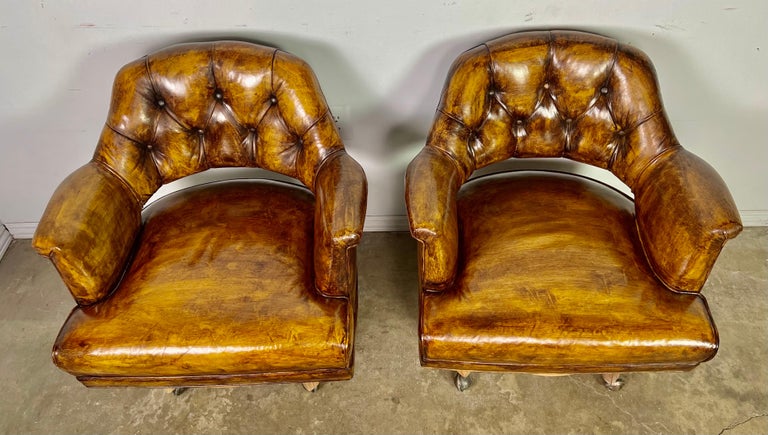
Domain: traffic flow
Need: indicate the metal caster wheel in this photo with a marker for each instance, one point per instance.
(462, 382)
(613, 381)
(178, 391)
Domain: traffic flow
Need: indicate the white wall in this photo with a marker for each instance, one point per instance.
(385, 61)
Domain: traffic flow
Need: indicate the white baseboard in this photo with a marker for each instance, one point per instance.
(5, 240)
(754, 218)
(385, 223)
(22, 230)
(750, 218)
(25, 230)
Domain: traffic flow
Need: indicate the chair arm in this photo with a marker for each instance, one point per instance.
(341, 192)
(685, 214)
(88, 230)
(431, 184)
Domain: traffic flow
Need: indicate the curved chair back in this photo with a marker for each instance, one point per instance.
(553, 94)
(191, 107)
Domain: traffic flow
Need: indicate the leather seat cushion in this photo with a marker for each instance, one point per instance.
(553, 279)
(221, 283)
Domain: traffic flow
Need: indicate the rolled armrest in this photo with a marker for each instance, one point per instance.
(341, 192)
(88, 230)
(685, 214)
(431, 184)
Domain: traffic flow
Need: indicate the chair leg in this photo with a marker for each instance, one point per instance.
(310, 386)
(613, 381)
(462, 380)
(178, 391)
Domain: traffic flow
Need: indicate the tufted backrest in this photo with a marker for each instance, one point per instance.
(553, 94)
(191, 107)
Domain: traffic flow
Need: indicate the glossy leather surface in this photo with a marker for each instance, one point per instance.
(550, 274)
(89, 230)
(229, 282)
(579, 96)
(221, 284)
(554, 278)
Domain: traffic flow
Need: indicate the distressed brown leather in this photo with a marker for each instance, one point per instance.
(553, 273)
(227, 282)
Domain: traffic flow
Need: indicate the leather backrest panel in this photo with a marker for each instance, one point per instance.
(196, 106)
(553, 94)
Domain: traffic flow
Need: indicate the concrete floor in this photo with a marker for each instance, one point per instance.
(390, 393)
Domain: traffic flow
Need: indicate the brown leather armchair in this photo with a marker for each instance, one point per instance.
(554, 273)
(230, 282)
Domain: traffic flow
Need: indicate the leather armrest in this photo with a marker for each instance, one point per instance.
(685, 214)
(341, 192)
(88, 231)
(431, 184)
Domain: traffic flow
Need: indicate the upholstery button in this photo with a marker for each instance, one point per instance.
(200, 131)
(149, 147)
(161, 103)
(546, 85)
(218, 94)
(519, 122)
(620, 132)
(603, 90)
(252, 129)
(273, 99)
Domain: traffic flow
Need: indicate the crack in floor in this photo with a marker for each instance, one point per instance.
(609, 395)
(737, 424)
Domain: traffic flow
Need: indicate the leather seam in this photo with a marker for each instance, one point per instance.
(641, 175)
(122, 181)
(322, 164)
(452, 159)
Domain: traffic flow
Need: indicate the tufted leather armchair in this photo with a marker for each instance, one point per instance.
(238, 281)
(555, 273)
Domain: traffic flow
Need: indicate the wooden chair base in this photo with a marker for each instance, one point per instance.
(613, 381)
(310, 386)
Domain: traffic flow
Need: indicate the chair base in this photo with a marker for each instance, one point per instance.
(613, 381)
(179, 391)
(183, 382)
(462, 380)
(552, 370)
(311, 386)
